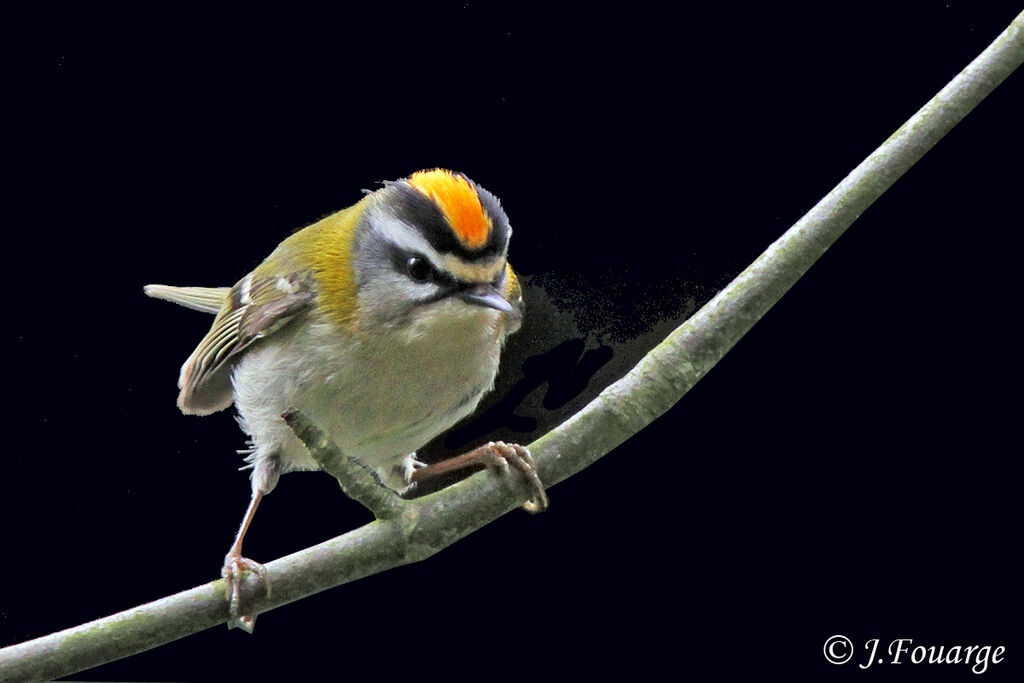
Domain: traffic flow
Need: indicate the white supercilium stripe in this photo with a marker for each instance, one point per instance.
(408, 238)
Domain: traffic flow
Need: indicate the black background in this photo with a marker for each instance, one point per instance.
(850, 467)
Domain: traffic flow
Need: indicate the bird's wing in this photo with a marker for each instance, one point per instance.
(205, 299)
(254, 308)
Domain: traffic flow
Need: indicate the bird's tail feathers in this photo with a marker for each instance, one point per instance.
(205, 299)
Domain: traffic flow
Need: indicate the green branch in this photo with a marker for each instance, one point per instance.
(357, 480)
(417, 529)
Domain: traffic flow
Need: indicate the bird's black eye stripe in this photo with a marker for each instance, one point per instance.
(418, 268)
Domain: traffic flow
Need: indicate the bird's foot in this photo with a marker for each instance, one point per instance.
(501, 456)
(498, 456)
(233, 571)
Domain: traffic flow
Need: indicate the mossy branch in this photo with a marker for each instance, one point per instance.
(357, 480)
(414, 530)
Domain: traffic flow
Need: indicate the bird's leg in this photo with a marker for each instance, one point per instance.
(496, 455)
(235, 565)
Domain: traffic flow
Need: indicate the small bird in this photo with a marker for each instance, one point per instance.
(382, 323)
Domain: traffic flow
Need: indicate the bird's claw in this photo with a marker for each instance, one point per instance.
(500, 455)
(233, 570)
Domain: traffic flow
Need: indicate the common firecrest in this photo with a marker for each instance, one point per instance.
(382, 323)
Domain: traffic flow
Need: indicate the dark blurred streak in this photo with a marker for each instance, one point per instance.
(566, 370)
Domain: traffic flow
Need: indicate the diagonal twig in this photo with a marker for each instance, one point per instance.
(358, 481)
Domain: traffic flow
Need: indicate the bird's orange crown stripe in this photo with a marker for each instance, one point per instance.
(458, 201)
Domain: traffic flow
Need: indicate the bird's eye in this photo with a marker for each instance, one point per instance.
(418, 268)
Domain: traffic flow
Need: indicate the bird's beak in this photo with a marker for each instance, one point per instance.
(485, 295)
